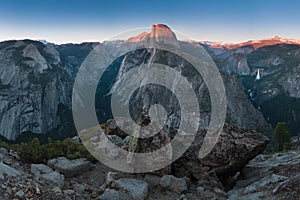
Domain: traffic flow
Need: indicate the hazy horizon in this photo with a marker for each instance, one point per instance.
(84, 41)
(96, 21)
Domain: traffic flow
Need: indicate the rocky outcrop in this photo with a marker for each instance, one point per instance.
(68, 167)
(220, 168)
(295, 142)
(234, 149)
(36, 61)
(268, 177)
(159, 33)
(173, 183)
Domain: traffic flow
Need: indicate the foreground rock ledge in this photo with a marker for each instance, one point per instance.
(234, 149)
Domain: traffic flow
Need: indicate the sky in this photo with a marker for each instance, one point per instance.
(64, 21)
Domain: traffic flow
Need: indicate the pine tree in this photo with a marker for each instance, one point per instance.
(282, 137)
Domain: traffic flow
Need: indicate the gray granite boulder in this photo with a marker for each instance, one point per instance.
(70, 168)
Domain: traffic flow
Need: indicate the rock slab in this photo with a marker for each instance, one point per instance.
(70, 168)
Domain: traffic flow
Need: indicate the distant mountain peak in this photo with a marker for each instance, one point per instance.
(276, 37)
(160, 33)
(45, 42)
(256, 44)
(160, 26)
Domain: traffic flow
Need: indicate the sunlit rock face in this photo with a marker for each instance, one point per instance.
(160, 33)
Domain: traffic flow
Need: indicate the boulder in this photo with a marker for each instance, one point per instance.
(40, 169)
(76, 139)
(3, 153)
(69, 192)
(111, 127)
(7, 171)
(79, 188)
(173, 183)
(137, 189)
(54, 177)
(234, 149)
(70, 168)
(56, 190)
(20, 193)
(116, 140)
(44, 173)
(182, 197)
(200, 189)
(110, 194)
(152, 179)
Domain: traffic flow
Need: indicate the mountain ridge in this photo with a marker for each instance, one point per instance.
(43, 77)
(256, 44)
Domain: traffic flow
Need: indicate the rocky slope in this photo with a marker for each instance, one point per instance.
(276, 92)
(265, 177)
(269, 177)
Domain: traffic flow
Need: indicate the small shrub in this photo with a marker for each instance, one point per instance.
(34, 152)
(30, 152)
(4, 144)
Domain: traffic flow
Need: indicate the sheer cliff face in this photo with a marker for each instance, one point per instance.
(30, 89)
(240, 110)
(35, 87)
(37, 80)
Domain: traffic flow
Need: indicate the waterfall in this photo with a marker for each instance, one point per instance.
(258, 75)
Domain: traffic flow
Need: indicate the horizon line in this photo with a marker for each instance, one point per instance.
(107, 40)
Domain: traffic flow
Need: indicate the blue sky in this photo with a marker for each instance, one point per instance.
(63, 21)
